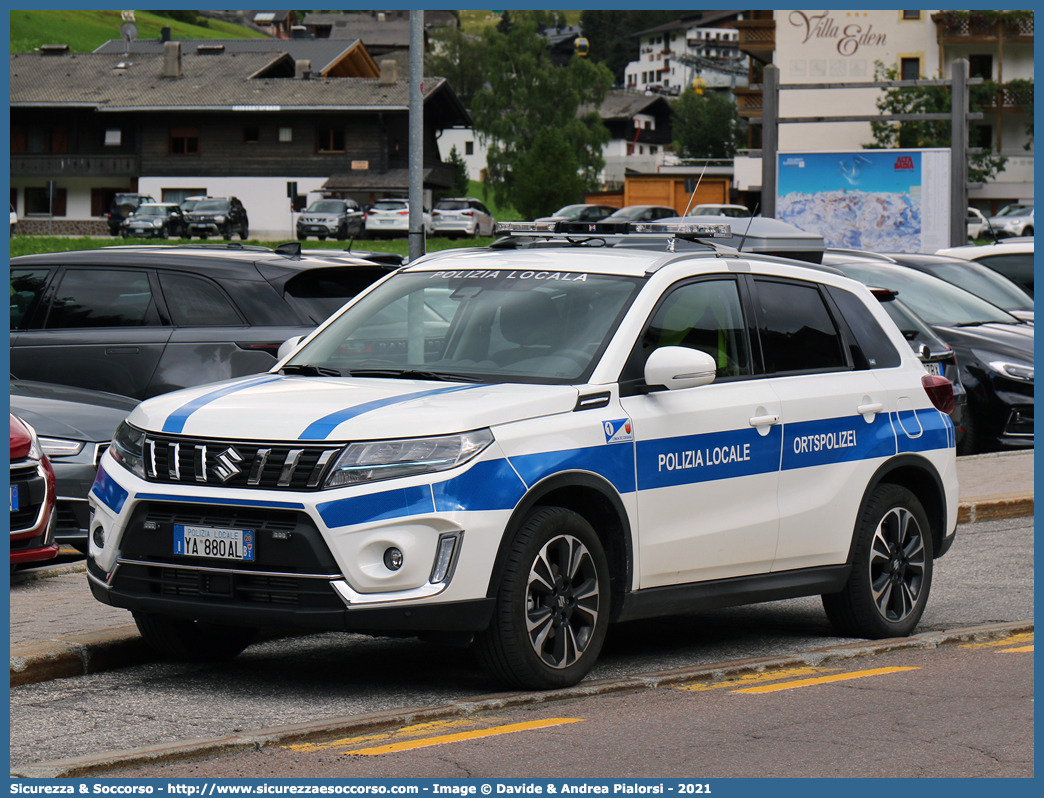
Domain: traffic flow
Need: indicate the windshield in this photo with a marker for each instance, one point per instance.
(720, 210)
(211, 205)
(984, 282)
(390, 205)
(934, 300)
(569, 211)
(151, 210)
(483, 326)
(628, 213)
(1016, 210)
(326, 206)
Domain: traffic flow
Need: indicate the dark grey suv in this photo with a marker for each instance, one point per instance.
(331, 218)
(218, 216)
(140, 321)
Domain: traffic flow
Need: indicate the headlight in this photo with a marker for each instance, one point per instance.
(36, 451)
(59, 447)
(127, 449)
(368, 462)
(219, 219)
(1012, 369)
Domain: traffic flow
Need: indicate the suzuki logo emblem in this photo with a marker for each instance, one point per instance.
(226, 467)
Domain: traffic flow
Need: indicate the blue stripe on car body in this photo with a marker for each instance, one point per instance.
(837, 440)
(175, 422)
(380, 506)
(319, 430)
(615, 463)
(687, 459)
(109, 492)
(936, 430)
(489, 485)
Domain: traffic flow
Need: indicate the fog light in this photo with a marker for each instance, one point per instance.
(393, 559)
(445, 558)
(99, 537)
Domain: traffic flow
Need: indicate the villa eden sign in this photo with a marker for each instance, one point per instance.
(849, 36)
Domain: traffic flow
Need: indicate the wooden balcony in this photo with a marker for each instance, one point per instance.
(51, 165)
(1011, 98)
(748, 102)
(963, 28)
(757, 38)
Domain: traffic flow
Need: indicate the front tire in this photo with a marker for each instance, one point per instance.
(552, 607)
(891, 576)
(193, 641)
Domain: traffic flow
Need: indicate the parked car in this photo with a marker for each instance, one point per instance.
(74, 427)
(1014, 220)
(189, 203)
(456, 216)
(709, 209)
(516, 447)
(155, 220)
(978, 225)
(641, 213)
(32, 498)
(1011, 257)
(331, 218)
(123, 205)
(973, 276)
(218, 216)
(580, 213)
(143, 320)
(391, 217)
(937, 356)
(994, 351)
(14, 218)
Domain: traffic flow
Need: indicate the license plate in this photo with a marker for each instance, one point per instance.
(14, 499)
(933, 368)
(222, 544)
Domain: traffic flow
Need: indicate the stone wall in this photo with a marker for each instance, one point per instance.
(62, 227)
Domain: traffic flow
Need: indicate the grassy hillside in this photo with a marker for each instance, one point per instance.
(84, 31)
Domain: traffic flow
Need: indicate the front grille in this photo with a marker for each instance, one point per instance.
(1020, 422)
(32, 492)
(237, 464)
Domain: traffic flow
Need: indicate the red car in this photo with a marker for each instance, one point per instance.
(32, 498)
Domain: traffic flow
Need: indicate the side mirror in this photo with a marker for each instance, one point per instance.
(288, 346)
(679, 367)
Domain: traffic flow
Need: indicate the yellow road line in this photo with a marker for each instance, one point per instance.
(417, 730)
(407, 745)
(755, 678)
(837, 677)
(1025, 637)
(1013, 650)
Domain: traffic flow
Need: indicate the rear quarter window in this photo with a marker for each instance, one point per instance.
(321, 292)
(872, 347)
(797, 331)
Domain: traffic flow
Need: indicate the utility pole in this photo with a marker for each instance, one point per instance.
(416, 234)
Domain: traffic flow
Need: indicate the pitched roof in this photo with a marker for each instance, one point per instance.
(325, 54)
(394, 31)
(211, 83)
(625, 104)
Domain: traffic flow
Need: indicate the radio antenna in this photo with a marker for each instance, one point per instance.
(694, 191)
(744, 239)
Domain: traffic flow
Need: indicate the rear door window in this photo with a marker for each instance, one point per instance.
(798, 333)
(103, 298)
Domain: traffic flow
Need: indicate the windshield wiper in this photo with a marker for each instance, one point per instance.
(971, 323)
(306, 370)
(414, 374)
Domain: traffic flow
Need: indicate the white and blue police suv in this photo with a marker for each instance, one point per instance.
(517, 447)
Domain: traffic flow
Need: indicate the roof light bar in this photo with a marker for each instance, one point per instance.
(681, 229)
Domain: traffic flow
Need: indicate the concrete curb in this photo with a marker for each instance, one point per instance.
(92, 652)
(311, 731)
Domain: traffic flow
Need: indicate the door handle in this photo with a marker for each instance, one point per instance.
(875, 407)
(121, 350)
(761, 421)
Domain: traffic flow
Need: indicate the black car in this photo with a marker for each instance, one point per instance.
(994, 350)
(143, 320)
(155, 220)
(74, 428)
(972, 276)
(331, 218)
(218, 216)
(123, 205)
(580, 213)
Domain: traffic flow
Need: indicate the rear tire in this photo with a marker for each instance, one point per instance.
(969, 441)
(891, 576)
(244, 233)
(193, 641)
(552, 607)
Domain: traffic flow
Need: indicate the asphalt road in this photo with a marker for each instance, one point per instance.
(959, 711)
(986, 578)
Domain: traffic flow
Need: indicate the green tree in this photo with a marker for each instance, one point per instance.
(706, 125)
(923, 134)
(555, 187)
(526, 93)
(456, 56)
(505, 25)
(461, 180)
